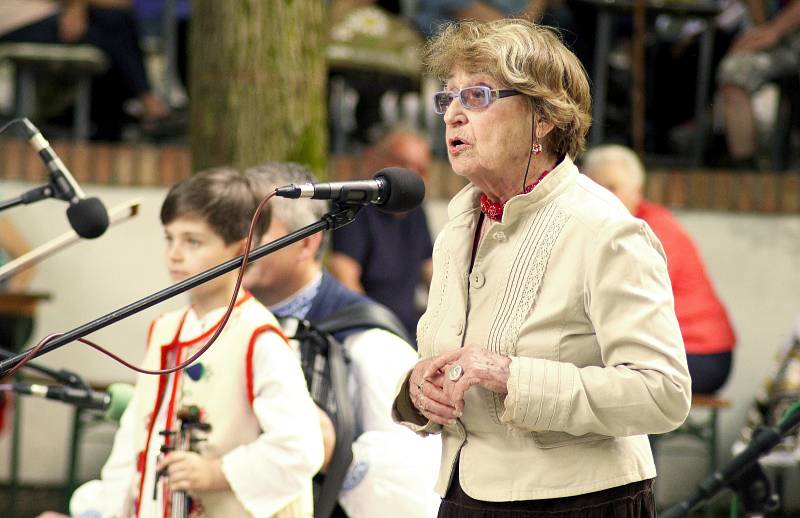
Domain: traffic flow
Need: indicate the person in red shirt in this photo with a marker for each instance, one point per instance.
(707, 333)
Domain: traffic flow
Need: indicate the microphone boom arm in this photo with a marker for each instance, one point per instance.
(741, 465)
(39, 193)
(340, 215)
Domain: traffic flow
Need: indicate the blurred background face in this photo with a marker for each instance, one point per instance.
(412, 153)
(614, 177)
(193, 247)
(271, 277)
(402, 150)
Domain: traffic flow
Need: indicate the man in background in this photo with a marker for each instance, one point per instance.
(386, 256)
(393, 470)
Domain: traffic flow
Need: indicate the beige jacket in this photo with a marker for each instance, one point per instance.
(575, 290)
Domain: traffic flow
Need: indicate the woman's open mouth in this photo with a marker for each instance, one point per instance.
(456, 145)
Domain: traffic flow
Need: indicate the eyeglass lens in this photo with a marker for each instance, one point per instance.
(471, 97)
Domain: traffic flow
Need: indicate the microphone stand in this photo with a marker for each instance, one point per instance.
(743, 473)
(67, 378)
(63, 376)
(34, 195)
(49, 190)
(341, 214)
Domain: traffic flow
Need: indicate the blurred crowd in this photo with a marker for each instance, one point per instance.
(142, 92)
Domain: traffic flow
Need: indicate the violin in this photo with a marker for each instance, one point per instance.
(190, 422)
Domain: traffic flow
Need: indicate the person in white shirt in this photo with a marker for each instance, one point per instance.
(392, 472)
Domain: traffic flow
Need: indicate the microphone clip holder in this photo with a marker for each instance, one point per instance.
(49, 190)
(340, 215)
(36, 194)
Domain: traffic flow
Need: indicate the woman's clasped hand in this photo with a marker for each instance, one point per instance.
(438, 384)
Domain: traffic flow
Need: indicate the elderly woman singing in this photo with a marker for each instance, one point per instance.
(550, 346)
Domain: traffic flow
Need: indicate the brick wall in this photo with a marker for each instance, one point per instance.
(721, 190)
(149, 165)
(105, 164)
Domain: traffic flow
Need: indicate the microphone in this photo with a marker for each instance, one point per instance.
(113, 401)
(87, 216)
(392, 189)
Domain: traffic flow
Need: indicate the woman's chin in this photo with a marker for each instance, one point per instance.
(460, 168)
(469, 172)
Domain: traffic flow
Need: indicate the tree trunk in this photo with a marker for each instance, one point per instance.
(258, 83)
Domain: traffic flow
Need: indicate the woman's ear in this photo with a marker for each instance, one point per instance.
(543, 128)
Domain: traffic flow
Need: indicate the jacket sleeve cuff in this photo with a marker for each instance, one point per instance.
(539, 394)
(518, 398)
(405, 413)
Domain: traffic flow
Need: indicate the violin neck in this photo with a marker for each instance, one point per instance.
(180, 505)
(179, 500)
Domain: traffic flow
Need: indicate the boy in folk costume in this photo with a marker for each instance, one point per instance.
(265, 443)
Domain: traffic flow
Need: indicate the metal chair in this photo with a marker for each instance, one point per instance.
(80, 63)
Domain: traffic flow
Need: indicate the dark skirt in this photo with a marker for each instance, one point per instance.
(635, 500)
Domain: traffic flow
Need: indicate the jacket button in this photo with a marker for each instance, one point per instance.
(477, 279)
(500, 236)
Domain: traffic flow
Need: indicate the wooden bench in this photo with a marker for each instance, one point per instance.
(79, 63)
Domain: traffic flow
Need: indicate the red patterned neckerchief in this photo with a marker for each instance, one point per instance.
(494, 209)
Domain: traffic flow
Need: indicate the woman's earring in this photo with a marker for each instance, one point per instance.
(536, 149)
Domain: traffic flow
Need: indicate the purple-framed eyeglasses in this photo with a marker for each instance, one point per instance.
(471, 97)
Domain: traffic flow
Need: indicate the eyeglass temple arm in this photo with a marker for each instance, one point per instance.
(499, 94)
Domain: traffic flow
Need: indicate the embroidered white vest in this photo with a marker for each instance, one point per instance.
(220, 383)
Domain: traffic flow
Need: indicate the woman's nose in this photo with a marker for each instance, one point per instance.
(455, 113)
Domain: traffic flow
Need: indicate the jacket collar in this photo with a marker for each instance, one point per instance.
(466, 203)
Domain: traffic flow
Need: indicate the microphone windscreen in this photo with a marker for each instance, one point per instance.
(120, 395)
(406, 189)
(88, 218)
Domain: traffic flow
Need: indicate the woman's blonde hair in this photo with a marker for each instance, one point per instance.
(523, 56)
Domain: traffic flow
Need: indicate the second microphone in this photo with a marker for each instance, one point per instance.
(392, 189)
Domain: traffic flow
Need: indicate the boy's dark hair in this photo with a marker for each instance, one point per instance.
(223, 197)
